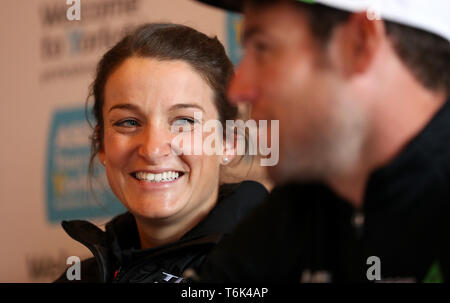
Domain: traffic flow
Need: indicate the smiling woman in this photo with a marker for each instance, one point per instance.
(153, 81)
(139, 158)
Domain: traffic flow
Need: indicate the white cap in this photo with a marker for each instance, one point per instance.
(429, 15)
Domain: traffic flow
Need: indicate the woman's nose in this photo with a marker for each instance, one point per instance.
(154, 143)
(242, 87)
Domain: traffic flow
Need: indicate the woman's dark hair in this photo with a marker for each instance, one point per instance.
(164, 41)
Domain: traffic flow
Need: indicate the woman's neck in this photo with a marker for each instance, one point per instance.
(157, 232)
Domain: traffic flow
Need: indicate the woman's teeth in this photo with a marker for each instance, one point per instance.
(161, 177)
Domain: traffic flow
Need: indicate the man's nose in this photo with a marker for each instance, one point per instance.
(154, 143)
(242, 87)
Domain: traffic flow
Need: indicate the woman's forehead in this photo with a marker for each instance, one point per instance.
(149, 81)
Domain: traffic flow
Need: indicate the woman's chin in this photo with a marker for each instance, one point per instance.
(155, 210)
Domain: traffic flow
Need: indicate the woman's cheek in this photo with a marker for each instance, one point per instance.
(207, 168)
(119, 148)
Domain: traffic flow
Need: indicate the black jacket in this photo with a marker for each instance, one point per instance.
(305, 232)
(117, 253)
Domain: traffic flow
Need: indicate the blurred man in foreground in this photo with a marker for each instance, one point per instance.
(364, 173)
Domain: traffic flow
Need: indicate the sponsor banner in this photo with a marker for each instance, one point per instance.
(233, 33)
(48, 62)
(70, 195)
(70, 49)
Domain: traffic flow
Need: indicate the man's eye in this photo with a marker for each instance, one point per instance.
(127, 123)
(260, 46)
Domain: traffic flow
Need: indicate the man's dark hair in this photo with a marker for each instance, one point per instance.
(425, 54)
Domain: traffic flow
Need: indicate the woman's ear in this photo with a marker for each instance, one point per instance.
(225, 160)
(101, 156)
(229, 151)
(101, 151)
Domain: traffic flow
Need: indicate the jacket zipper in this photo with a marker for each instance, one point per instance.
(358, 221)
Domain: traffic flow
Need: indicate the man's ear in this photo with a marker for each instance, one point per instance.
(357, 41)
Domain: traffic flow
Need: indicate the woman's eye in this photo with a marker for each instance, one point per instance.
(127, 123)
(184, 122)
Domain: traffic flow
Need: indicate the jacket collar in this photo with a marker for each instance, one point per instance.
(423, 163)
(119, 244)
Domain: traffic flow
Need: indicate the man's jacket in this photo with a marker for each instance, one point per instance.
(307, 233)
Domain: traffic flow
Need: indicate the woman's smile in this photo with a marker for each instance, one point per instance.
(158, 179)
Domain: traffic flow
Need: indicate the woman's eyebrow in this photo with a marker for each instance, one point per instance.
(186, 105)
(128, 106)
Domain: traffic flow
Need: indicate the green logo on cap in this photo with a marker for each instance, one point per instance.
(308, 1)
